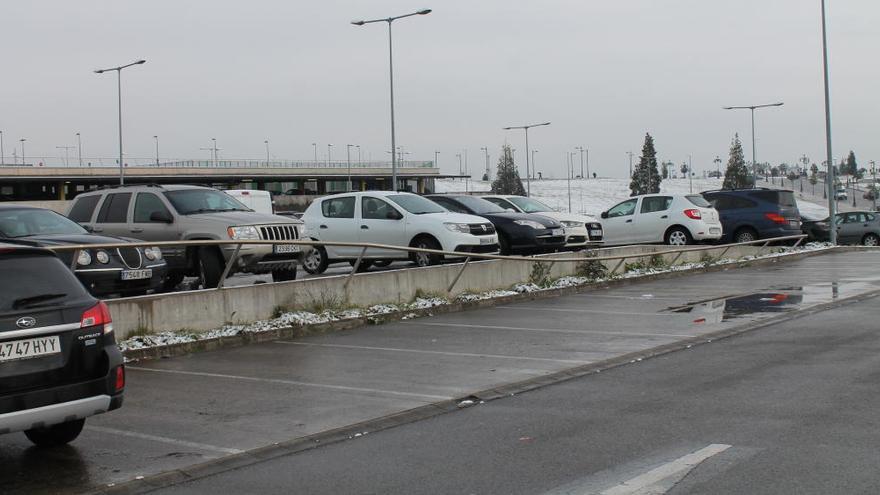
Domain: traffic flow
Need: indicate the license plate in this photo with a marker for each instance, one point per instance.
(137, 274)
(558, 232)
(596, 233)
(714, 231)
(286, 248)
(487, 240)
(29, 348)
(796, 224)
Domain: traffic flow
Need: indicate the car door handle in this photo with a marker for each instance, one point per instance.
(629, 221)
(364, 227)
(323, 226)
(137, 231)
(665, 216)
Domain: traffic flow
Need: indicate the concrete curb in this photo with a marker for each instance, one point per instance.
(184, 348)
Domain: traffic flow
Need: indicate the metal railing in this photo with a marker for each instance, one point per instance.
(593, 257)
(53, 162)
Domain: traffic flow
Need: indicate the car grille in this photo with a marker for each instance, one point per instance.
(131, 257)
(280, 232)
(482, 228)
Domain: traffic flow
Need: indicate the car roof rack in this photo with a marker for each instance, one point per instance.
(118, 186)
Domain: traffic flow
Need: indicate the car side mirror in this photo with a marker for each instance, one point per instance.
(604, 214)
(161, 216)
(511, 210)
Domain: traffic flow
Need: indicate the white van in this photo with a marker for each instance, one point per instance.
(259, 201)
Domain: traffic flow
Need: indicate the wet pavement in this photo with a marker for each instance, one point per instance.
(189, 410)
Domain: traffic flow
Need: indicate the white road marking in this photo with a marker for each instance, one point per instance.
(644, 482)
(549, 330)
(440, 353)
(172, 441)
(593, 311)
(292, 382)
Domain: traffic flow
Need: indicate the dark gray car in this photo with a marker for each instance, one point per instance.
(854, 227)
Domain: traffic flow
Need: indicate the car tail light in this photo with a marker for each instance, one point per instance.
(120, 378)
(776, 218)
(693, 213)
(98, 314)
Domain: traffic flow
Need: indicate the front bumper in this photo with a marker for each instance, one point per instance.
(262, 258)
(457, 241)
(580, 237)
(105, 281)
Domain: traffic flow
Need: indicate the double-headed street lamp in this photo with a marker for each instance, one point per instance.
(754, 152)
(22, 140)
(79, 145)
(389, 20)
(119, 92)
(528, 170)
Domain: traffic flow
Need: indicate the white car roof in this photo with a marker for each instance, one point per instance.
(366, 193)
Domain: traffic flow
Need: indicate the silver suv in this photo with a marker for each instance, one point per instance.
(178, 212)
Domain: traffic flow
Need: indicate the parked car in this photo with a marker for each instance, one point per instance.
(124, 271)
(752, 214)
(580, 230)
(397, 219)
(853, 227)
(674, 219)
(524, 233)
(59, 363)
(840, 194)
(178, 212)
(259, 201)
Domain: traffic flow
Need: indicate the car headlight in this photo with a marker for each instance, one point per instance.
(530, 223)
(153, 253)
(462, 228)
(102, 257)
(248, 232)
(571, 225)
(84, 258)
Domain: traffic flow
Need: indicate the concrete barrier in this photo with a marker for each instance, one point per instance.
(208, 309)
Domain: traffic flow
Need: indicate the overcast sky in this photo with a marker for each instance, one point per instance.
(296, 73)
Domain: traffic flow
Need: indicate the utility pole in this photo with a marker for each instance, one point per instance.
(581, 149)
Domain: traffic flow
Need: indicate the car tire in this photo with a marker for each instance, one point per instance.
(315, 261)
(284, 275)
(171, 281)
(364, 266)
(210, 267)
(871, 240)
(745, 235)
(55, 435)
(425, 259)
(503, 245)
(678, 236)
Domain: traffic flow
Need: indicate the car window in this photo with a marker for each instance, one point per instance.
(624, 209)
(83, 208)
(782, 198)
(189, 201)
(145, 205)
(530, 205)
(416, 205)
(450, 205)
(501, 202)
(870, 217)
(338, 207)
(27, 221)
(115, 208)
(376, 209)
(40, 280)
(479, 205)
(698, 200)
(656, 203)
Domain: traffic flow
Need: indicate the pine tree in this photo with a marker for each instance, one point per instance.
(851, 167)
(737, 175)
(507, 179)
(646, 177)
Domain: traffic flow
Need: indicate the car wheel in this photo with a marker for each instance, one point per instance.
(284, 275)
(871, 240)
(678, 236)
(56, 435)
(503, 245)
(171, 281)
(745, 235)
(210, 264)
(315, 262)
(426, 259)
(364, 266)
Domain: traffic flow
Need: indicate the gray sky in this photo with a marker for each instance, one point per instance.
(295, 72)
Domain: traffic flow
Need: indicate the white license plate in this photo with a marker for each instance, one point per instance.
(137, 274)
(29, 348)
(596, 233)
(558, 232)
(487, 240)
(286, 248)
(714, 231)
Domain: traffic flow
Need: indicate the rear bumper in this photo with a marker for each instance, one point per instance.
(54, 414)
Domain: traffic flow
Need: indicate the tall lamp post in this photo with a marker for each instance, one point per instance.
(389, 20)
(874, 183)
(485, 150)
(156, 138)
(328, 153)
(754, 151)
(534, 164)
(119, 93)
(830, 177)
(22, 140)
(528, 171)
(437, 160)
(315, 146)
(581, 149)
(266, 142)
(79, 145)
(2, 156)
(348, 154)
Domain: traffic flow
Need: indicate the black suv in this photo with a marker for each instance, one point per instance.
(59, 363)
(752, 214)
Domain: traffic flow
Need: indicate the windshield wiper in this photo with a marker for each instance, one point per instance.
(28, 301)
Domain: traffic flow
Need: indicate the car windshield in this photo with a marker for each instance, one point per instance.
(416, 205)
(189, 201)
(479, 205)
(26, 222)
(529, 205)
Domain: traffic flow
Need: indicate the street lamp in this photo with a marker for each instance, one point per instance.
(534, 164)
(348, 153)
(2, 159)
(214, 148)
(315, 146)
(119, 93)
(359, 154)
(874, 183)
(485, 150)
(437, 160)
(830, 177)
(156, 138)
(581, 149)
(328, 154)
(22, 140)
(79, 145)
(526, 129)
(266, 142)
(754, 152)
(389, 20)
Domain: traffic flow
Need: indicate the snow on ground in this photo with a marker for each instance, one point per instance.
(593, 196)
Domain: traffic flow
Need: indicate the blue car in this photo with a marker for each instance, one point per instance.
(752, 214)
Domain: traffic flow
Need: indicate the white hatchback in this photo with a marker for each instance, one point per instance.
(390, 218)
(674, 219)
(580, 230)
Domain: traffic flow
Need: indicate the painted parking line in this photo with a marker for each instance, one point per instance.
(591, 311)
(550, 330)
(439, 353)
(677, 468)
(172, 441)
(294, 383)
